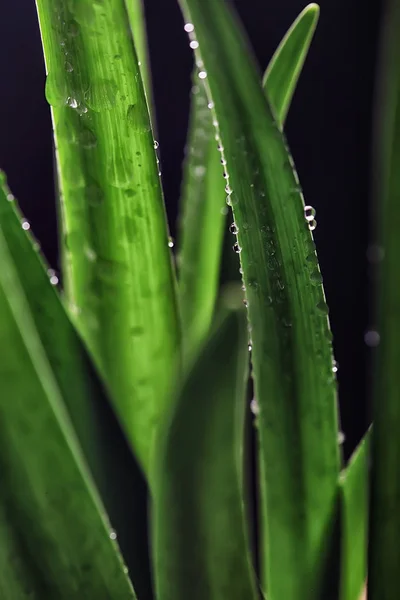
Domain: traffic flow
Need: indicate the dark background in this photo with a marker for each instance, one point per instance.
(329, 131)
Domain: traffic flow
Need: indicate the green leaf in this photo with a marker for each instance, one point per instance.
(203, 217)
(203, 197)
(137, 20)
(55, 537)
(117, 264)
(200, 545)
(354, 514)
(292, 354)
(384, 546)
(116, 474)
(281, 77)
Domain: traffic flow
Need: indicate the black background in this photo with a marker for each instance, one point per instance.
(329, 131)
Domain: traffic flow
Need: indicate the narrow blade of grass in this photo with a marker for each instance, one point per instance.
(117, 264)
(200, 543)
(115, 473)
(281, 77)
(55, 537)
(137, 20)
(384, 547)
(202, 226)
(203, 197)
(291, 339)
(354, 491)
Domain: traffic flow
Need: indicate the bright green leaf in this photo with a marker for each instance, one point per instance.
(281, 77)
(117, 265)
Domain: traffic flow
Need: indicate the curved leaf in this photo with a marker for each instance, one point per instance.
(116, 475)
(200, 545)
(203, 199)
(281, 77)
(55, 537)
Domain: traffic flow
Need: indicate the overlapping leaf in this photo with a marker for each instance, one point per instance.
(203, 207)
(199, 533)
(291, 339)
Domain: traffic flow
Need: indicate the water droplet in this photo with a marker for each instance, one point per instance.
(312, 225)
(341, 438)
(25, 225)
(56, 89)
(234, 229)
(250, 346)
(237, 248)
(202, 74)
(323, 307)
(228, 189)
(309, 213)
(254, 407)
(220, 148)
(199, 171)
(10, 197)
(243, 288)
(101, 95)
(72, 28)
(335, 366)
(189, 27)
(156, 145)
(316, 277)
(246, 303)
(171, 242)
(228, 201)
(90, 254)
(87, 138)
(210, 105)
(372, 338)
(194, 44)
(52, 276)
(113, 535)
(223, 161)
(94, 194)
(68, 67)
(72, 102)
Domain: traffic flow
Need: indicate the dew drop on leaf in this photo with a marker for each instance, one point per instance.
(237, 248)
(309, 213)
(234, 229)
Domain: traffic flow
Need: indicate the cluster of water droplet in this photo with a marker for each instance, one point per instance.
(309, 215)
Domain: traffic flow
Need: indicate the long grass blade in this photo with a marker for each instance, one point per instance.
(107, 454)
(281, 77)
(203, 198)
(290, 334)
(55, 537)
(117, 265)
(354, 490)
(200, 546)
(137, 20)
(384, 554)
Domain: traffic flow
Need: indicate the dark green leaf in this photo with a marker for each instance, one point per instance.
(199, 537)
